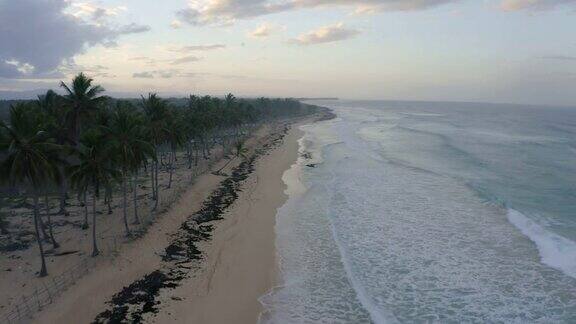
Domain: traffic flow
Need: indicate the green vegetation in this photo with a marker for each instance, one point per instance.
(92, 147)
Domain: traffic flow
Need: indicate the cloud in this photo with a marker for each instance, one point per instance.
(326, 34)
(94, 71)
(139, 58)
(559, 57)
(143, 75)
(226, 12)
(514, 5)
(191, 48)
(89, 10)
(264, 30)
(133, 28)
(165, 74)
(176, 24)
(37, 36)
(146, 60)
(150, 61)
(184, 60)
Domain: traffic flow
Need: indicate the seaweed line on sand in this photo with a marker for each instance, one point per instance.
(141, 297)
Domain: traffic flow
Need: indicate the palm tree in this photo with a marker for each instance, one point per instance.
(112, 143)
(239, 151)
(48, 216)
(82, 98)
(156, 112)
(54, 113)
(126, 135)
(175, 136)
(83, 192)
(94, 170)
(28, 160)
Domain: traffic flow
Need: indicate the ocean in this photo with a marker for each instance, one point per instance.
(429, 212)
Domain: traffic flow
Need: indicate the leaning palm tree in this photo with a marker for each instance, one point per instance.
(126, 137)
(28, 160)
(82, 98)
(240, 151)
(94, 170)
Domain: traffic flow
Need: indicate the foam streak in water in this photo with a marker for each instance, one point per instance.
(375, 313)
(555, 251)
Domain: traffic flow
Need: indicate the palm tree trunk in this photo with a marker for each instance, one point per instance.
(45, 234)
(43, 271)
(162, 159)
(85, 225)
(171, 167)
(189, 154)
(63, 192)
(109, 200)
(51, 232)
(135, 194)
(152, 185)
(225, 165)
(204, 149)
(196, 154)
(125, 203)
(80, 199)
(95, 251)
(157, 185)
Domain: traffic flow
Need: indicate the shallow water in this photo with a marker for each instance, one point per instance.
(430, 212)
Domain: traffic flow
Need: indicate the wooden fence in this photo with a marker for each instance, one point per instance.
(25, 308)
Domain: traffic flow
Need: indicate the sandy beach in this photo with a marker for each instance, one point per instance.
(241, 259)
(238, 263)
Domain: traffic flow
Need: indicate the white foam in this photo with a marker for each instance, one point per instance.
(555, 251)
(376, 314)
(373, 241)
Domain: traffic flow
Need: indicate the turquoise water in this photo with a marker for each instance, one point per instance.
(430, 212)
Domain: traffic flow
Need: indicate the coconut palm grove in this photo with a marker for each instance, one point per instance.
(84, 145)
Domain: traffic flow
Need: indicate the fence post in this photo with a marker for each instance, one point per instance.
(37, 297)
(47, 291)
(25, 302)
(85, 265)
(18, 311)
(55, 284)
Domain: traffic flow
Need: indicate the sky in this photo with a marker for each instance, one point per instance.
(518, 51)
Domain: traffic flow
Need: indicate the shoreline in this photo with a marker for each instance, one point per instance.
(93, 293)
(241, 264)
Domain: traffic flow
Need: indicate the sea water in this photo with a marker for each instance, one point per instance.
(420, 212)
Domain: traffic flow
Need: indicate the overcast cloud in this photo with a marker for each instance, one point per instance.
(326, 34)
(226, 12)
(191, 48)
(37, 36)
(512, 5)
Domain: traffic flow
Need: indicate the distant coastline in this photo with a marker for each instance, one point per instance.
(316, 98)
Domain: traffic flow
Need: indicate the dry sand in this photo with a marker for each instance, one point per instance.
(18, 269)
(239, 264)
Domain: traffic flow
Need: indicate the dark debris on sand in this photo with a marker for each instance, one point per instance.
(141, 297)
